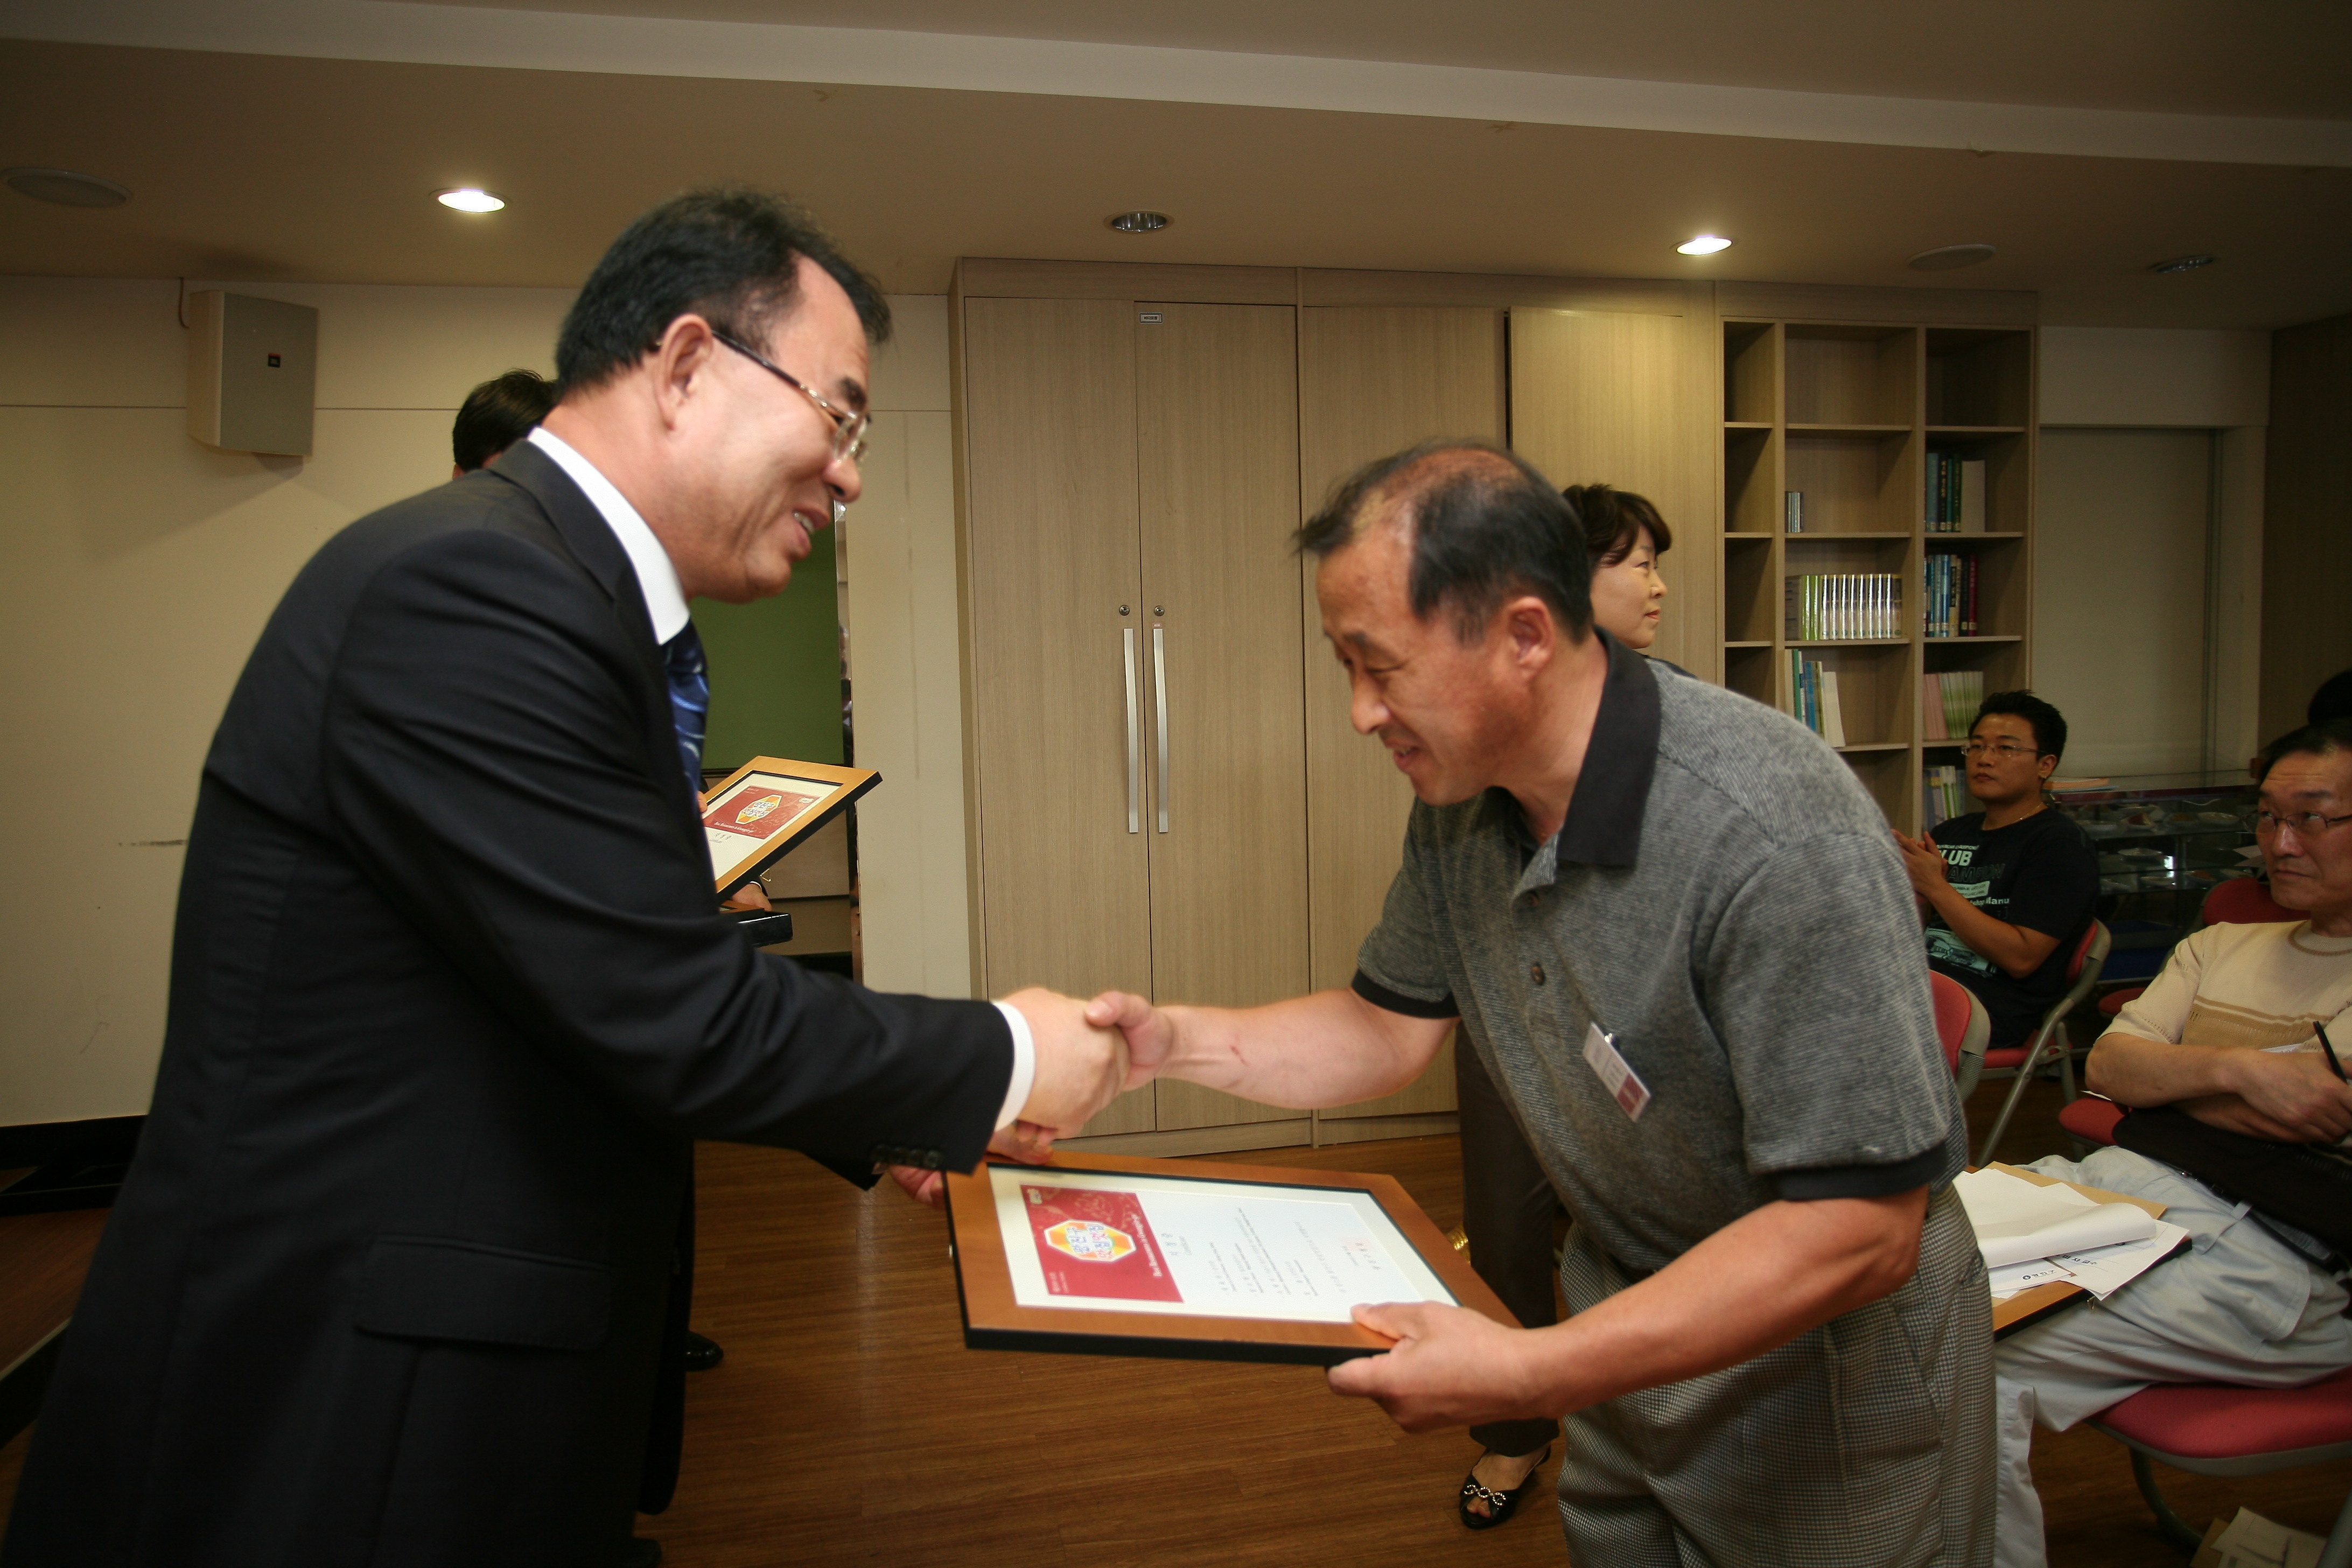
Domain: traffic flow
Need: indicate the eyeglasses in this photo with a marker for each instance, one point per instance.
(2001, 749)
(848, 429)
(2306, 824)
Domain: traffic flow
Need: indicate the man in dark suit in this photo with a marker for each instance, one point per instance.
(392, 1279)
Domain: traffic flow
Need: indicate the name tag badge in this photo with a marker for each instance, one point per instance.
(1618, 1078)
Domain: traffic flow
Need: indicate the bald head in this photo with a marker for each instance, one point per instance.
(1483, 526)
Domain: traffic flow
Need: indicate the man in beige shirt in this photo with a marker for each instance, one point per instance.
(2228, 1034)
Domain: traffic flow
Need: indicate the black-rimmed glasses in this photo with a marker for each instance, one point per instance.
(848, 428)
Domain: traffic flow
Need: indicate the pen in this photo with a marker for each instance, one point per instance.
(2333, 1065)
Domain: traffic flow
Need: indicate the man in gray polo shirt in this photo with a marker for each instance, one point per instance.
(1669, 921)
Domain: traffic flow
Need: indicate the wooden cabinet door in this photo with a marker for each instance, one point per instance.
(1051, 554)
(1373, 381)
(1217, 466)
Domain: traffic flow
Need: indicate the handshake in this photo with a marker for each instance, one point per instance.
(1087, 1053)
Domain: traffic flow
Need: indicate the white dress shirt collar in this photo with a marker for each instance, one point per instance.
(657, 578)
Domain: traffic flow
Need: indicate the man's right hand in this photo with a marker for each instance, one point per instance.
(1080, 1065)
(2288, 1096)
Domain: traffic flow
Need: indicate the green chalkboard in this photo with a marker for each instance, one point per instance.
(775, 670)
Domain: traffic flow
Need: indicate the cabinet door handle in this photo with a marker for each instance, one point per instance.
(1134, 742)
(1159, 692)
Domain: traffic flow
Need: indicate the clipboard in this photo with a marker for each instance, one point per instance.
(762, 810)
(1112, 1255)
(2029, 1307)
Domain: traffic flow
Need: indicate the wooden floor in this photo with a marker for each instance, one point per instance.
(848, 1424)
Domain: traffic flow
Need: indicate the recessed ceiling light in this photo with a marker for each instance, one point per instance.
(1139, 222)
(1945, 258)
(466, 199)
(1705, 245)
(64, 188)
(2185, 264)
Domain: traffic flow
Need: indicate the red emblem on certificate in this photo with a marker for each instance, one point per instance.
(1096, 1243)
(756, 811)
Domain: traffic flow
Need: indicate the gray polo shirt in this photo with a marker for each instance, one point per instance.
(1725, 897)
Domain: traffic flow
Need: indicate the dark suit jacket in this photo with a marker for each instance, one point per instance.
(450, 1001)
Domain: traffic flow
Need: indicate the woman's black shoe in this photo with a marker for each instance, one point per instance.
(1503, 1503)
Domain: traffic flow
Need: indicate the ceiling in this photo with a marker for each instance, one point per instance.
(272, 166)
(2279, 57)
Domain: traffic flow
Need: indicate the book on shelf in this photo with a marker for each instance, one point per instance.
(1954, 501)
(1949, 601)
(1843, 605)
(1949, 704)
(1792, 510)
(1943, 795)
(1814, 698)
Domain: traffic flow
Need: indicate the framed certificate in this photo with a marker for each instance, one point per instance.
(1104, 1255)
(768, 804)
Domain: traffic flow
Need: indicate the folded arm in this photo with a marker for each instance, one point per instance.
(2287, 1096)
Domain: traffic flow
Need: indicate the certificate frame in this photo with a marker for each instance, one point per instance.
(993, 1319)
(828, 789)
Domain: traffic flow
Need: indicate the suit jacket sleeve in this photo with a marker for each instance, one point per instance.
(487, 759)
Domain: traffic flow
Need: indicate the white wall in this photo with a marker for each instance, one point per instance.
(137, 567)
(2119, 596)
(2155, 377)
(2147, 559)
(898, 546)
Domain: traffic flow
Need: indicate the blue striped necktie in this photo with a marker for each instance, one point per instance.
(689, 699)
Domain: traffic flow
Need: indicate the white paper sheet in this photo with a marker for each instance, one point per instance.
(2102, 1271)
(2016, 1221)
(1209, 1248)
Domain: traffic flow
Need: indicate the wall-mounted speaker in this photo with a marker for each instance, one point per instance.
(253, 372)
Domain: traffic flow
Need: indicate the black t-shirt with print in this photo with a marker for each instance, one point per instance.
(2040, 873)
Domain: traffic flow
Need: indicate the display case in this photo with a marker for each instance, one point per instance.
(2165, 839)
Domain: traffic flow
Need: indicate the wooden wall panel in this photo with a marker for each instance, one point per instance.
(1340, 287)
(1842, 302)
(1124, 281)
(2306, 520)
(1628, 400)
(1373, 381)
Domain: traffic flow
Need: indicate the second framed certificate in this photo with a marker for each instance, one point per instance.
(768, 804)
(1108, 1255)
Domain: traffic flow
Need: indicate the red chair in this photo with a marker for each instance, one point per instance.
(2210, 1429)
(2239, 902)
(2048, 1043)
(1964, 1026)
(2090, 1121)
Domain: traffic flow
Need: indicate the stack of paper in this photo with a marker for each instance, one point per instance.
(2249, 1541)
(2034, 1235)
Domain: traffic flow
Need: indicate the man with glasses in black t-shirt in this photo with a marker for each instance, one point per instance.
(2007, 891)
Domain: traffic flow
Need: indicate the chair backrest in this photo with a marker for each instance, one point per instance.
(1963, 1026)
(2244, 902)
(1951, 1000)
(2095, 936)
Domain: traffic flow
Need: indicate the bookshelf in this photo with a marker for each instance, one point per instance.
(1853, 415)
